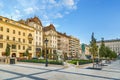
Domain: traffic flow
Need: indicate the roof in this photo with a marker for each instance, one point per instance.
(50, 27)
(112, 40)
(63, 34)
(35, 19)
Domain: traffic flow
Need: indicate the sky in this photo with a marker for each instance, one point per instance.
(74, 17)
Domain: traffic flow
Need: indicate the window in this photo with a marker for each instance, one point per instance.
(7, 37)
(23, 47)
(19, 33)
(7, 29)
(19, 39)
(23, 34)
(1, 28)
(0, 19)
(13, 38)
(30, 48)
(23, 40)
(1, 45)
(19, 47)
(1, 36)
(6, 20)
(13, 31)
(13, 46)
(30, 42)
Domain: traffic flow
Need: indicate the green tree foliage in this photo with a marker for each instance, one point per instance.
(7, 51)
(26, 52)
(106, 52)
(109, 53)
(114, 54)
(93, 47)
(102, 49)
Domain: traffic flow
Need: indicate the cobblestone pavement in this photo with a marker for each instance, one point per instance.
(24, 71)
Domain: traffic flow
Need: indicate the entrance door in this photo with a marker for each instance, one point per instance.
(13, 54)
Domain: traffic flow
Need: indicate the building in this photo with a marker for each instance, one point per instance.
(63, 44)
(74, 47)
(51, 34)
(113, 44)
(37, 25)
(87, 51)
(30, 35)
(19, 36)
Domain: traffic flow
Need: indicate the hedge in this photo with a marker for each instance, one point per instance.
(42, 61)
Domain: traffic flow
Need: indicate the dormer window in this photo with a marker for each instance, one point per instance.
(6, 20)
(0, 19)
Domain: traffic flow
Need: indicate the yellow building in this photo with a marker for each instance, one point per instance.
(51, 34)
(74, 47)
(37, 24)
(87, 51)
(63, 44)
(18, 36)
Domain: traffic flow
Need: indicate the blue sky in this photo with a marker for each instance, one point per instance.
(75, 17)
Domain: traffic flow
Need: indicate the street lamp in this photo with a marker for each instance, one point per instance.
(46, 42)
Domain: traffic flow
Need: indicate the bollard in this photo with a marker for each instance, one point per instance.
(77, 64)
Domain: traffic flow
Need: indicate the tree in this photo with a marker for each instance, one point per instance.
(93, 47)
(110, 54)
(26, 53)
(102, 49)
(7, 51)
(114, 54)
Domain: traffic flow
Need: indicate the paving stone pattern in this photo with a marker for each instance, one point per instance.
(24, 71)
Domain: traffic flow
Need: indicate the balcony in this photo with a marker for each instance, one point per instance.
(14, 50)
(30, 37)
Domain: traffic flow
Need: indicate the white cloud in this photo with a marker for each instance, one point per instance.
(29, 10)
(47, 10)
(56, 25)
(67, 12)
(58, 15)
(17, 11)
(52, 1)
(70, 4)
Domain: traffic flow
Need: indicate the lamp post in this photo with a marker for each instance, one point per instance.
(46, 63)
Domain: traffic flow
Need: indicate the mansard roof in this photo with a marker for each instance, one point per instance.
(50, 27)
(35, 19)
(63, 34)
(22, 21)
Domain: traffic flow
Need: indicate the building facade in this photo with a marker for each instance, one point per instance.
(63, 44)
(50, 33)
(74, 47)
(18, 36)
(30, 35)
(113, 44)
(37, 25)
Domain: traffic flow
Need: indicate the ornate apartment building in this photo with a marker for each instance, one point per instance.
(18, 36)
(51, 34)
(30, 34)
(63, 43)
(113, 44)
(74, 46)
(37, 25)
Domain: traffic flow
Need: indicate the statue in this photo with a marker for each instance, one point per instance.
(83, 52)
(83, 48)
